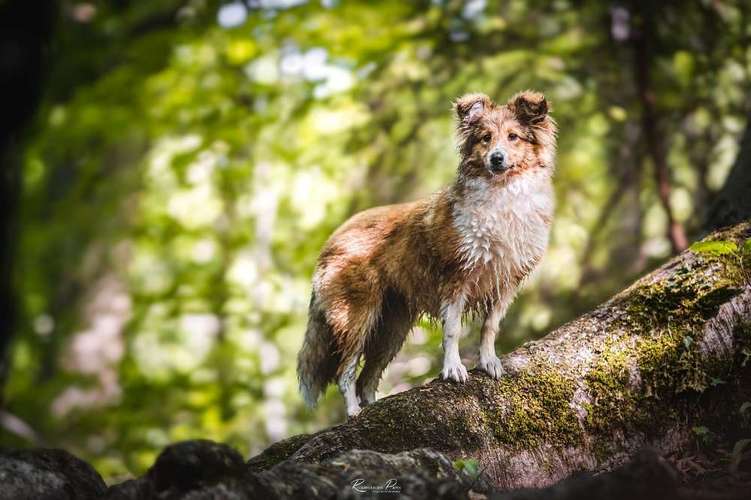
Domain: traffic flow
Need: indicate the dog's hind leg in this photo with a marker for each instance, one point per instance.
(359, 323)
(346, 382)
(382, 345)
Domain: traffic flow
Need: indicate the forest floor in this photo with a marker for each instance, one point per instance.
(714, 471)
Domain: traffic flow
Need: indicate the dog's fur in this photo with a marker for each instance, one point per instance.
(464, 250)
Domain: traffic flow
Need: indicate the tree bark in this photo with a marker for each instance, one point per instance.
(733, 203)
(645, 14)
(25, 29)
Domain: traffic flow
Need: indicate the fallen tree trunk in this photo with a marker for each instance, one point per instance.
(666, 355)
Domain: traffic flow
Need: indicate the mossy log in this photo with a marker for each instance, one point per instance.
(664, 356)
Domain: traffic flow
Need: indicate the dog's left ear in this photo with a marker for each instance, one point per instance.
(530, 107)
(470, 107)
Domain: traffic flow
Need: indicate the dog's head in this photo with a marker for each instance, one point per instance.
(501, 141)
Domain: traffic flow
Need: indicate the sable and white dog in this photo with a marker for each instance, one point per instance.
(464, 250)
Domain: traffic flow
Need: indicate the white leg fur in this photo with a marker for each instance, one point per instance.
(453, 369)
(347, 387)
(489, 362)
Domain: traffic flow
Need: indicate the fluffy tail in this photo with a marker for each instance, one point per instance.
(318, 358)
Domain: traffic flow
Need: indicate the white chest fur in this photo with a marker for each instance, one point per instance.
(504, 229)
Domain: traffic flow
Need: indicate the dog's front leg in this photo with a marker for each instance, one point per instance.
(489, 362)
(453, 369)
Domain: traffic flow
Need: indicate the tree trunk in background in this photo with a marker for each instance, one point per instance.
(733, 203)
(644, 14)
(25, 27)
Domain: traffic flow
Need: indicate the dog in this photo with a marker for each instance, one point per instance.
(463, 251)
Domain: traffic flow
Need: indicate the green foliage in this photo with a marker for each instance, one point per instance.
(704, 436)
(469, 466)
(182, 176)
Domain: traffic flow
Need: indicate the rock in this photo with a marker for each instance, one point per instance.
(418, 474)
(47, 474)
(182, 468)
(194, 462)
(131, 489)
(647, 476)
(202, 470)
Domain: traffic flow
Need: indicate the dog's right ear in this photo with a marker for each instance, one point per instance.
(530, 107)
(470, 107)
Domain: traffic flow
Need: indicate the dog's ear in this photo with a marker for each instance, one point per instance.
(470, 107)
(530, 107)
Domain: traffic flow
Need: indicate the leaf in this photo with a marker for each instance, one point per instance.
(688, 341)
(469, 466)
(704, 436)
(684, 64)
(718, 247)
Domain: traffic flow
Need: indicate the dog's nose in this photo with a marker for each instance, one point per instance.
(496, 160)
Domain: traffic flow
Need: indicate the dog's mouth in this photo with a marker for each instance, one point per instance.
(499, 168)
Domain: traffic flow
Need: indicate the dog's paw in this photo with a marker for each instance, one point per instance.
(353, 411)
(367, 397)
(454, 370)
(492, 366)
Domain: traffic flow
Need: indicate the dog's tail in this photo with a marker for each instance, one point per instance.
(318, 358)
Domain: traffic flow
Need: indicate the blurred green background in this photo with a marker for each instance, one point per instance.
(191, 157)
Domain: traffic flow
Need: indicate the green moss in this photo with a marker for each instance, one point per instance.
(655, 353)
(699, 284)
(534, 407)
(714, 247)
(611, 400)
(691, 371)
(623, 398)
(663, 366)
(413, 419)
(689, 296)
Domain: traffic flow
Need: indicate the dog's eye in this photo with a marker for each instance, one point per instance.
(512, 136)
(486, 138)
